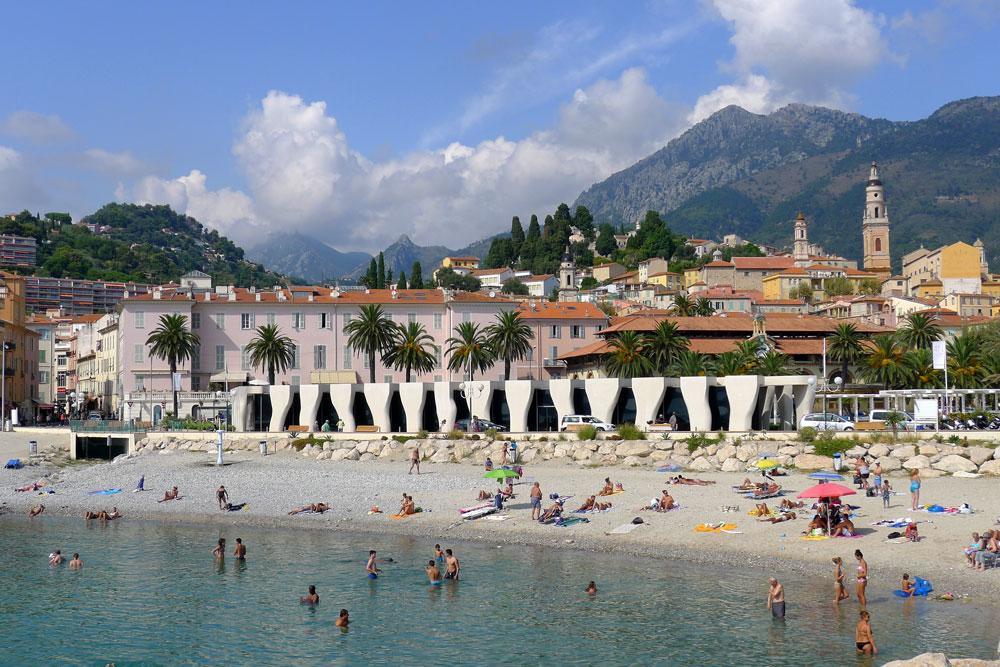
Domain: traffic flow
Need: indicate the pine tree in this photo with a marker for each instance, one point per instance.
(380, 272)
(401, 285)
(416, 276)
(516, 236)
(534, 231)
(584, 221)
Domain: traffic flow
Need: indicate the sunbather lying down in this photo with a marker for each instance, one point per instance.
(104, 515)
(785, 516)
(787, 504)
(552, 512)
(318, 508)
(34, 486)
(591, 504)
(681, 479)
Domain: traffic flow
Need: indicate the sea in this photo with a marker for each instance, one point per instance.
(151, 594)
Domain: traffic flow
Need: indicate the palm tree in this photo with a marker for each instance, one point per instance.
(271, 350)
(664, 344)
(411, 350)
(683, 306)
(774, 363)
(469, 350)
(845, 347)
(689, 363)
(732, 363)
(884, 363)
(372, 331)
(920, 365)
(173, 342)
(627, 357)
(991, 370)
(510, 338)
(703, 307)
(965, 364)
(919, 331)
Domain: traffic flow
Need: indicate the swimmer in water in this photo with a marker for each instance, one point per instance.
(591, 589)
(438, 554)
(241, 550)
(311, 598)
(433, 573)
(75, 563)
(56, 558)
(220, 549)
(372, 566)
(343, 620)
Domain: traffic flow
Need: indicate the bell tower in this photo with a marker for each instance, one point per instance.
(875, 227)
(800, 244)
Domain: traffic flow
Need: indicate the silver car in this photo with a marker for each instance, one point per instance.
(826, 421)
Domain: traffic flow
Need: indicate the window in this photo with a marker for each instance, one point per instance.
(220, 357)
(61, 361)
(46, 334)
(555, 331)
(244, 359)
(466, 317)
(246, 321)
(220, 321)
(437, 321)
(319, 356)
(437, 357)
(878, 242)
(347, 320)
(437, 378)
(138, 356)
(387, 379)
(139, 385)
(577, 331)
(411, 317)
(324, 321)
(348, 357)
(271, 318)
(295, 380)
(41, 356)
(298, 321)
(195, 320)
(196, 357)
(296, 356)
(61, 379)
(195, 383)
(139, 319)
(555, 352)
(876, 211)
(43, 377)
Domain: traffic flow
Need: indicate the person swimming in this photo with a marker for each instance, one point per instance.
(342, 621)
(311, 598)
(591, 589)
(75, 563)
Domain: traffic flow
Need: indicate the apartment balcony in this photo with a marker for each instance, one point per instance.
(554, 363)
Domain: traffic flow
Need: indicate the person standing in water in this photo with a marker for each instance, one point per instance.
(453, 567)
(840, 590)
(438, 554)
(342, 620)
(311, 598)
(220, 549)
(75, 563)
(591, 588)
(776, 599)
(56, 558)
(433, 573)
(372, 567)
(864, 639)
(862, 578)
(241, 550)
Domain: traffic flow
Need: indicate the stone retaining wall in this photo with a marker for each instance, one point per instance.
(930, 458)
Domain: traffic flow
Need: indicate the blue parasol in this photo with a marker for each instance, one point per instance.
(825, 475)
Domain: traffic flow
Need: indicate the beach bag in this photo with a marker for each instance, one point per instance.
(870, 493)
(637, 520)
(895, 534)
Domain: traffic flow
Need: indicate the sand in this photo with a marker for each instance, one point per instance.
(274, 484)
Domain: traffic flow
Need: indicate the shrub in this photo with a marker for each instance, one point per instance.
(807, 434)
(422, 434)
(630, 432)
(401, 439)
(454, 434)
(474, 436)
(586, 432)
(699, 440)
(491, 434)
(827, 445)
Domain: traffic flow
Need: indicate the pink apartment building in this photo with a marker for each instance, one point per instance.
(225, 319)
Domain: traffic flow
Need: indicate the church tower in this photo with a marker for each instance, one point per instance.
(800, 244)
(568, 291)
(875, 227)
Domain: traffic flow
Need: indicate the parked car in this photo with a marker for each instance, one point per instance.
(481, 425)
(94, 416)
(880, 415)
(573, 422)
(826, 421)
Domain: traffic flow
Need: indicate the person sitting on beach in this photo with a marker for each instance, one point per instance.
(56, 557)
(588, 504)
(787, 504)
(75, 563)
(818, 523)
(172, 494)
(666, 502)
(762, 509)
(911, 532)
(489, 464)
(407, 506)
(971, 550)
(508, 491)
(35, 511)
(114, 514)
(102, 515)
(843, 529)
(988, 544)
(317, 508)
(485, 495)
(607, 489)
(784, 516)
(552, 512)
(313, 596)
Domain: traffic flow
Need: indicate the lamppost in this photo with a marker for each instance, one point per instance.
(470, 391)
(7, 346)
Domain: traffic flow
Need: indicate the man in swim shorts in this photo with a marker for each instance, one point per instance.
(536, 501)
(372, 568)
(433, 573)
(241, 550)
(776, 599)
(452, 566)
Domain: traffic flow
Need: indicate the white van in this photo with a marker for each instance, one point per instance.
(575, 422)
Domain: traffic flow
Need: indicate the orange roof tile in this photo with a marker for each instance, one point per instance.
(561, 310)
(598, 347)
(763, 263)
(323, 295)
(718, 263)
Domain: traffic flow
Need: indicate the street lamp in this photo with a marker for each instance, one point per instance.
(8, 346)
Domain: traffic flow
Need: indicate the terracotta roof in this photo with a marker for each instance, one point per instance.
(87, 319)
(664, 273)
(537, 279)
(742, 323)
(598, 347)
(718, 263)
(933, 282)
(775, 263)
(780, 302)
(547, 310)
(463, 259)
(323, 295)
(697, 241)
(795, 346)
(488, 272)
(790, 346)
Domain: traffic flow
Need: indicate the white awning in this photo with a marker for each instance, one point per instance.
(232, 377)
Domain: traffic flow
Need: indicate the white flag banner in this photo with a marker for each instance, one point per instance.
(940, 352)
(177, 381)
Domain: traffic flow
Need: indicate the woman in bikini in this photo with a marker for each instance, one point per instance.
(840, 590)
(864, 640)
(862, 578)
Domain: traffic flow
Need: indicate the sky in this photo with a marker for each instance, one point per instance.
(358, 122)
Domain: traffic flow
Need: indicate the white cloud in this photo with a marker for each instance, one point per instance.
(303, 174)
(35, 127)
(18, 188)
(799, 50)
(123, 163)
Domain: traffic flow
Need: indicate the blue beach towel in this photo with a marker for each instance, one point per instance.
(14, 464)
(105, 492)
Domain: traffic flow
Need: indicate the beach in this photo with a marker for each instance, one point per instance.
(275, 484)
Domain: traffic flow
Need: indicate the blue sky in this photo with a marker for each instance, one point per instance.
(359, 123)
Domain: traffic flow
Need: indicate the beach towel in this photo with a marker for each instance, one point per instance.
(236, 508)
(815, 537)
(563, 522)
(715, 527)
(613, 493)
(673, 467)
(770, 513)
(105, 492)
(497, 517)
(14, 464)
(624, 529)
(403, 516)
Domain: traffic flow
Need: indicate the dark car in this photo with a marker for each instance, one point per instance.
(481, 425)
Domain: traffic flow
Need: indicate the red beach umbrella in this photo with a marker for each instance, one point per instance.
(827, 490)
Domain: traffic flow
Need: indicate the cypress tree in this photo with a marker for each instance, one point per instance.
(416, 276)
(534, 231)
(371, 278)
(380, 275)
(516, 235)
(401, 285)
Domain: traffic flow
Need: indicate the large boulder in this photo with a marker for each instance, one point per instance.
(990, 468)
(923, 660)
(632, 461)
(980, 455)
(904, 451)
(955, 463)
(856, 451)
(441, 456)
(918, 462)
(735, 465)
(928, 449)
(746, 452)
(890, 463)
(726, 452)
(701, 464)
(813, 462)
(789, 450)
(878, 451)
(633, 448)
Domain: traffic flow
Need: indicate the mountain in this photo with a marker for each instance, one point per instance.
(400, 256)
(129, 242)
(749, 174)
(307, 258)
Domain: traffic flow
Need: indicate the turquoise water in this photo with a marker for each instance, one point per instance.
(151, 594)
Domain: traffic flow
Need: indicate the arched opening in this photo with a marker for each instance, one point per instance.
(542, 414)
(362, 413)
(292, 417)
(878, 242)
(397, 415)
(673, 404)
(625, 407)
(461, 405)
(157, 414)
(326, 412)
(196, 412)
(718, 405)
(581, 402)
(429, 420)
(261, 418)
(499, 410)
